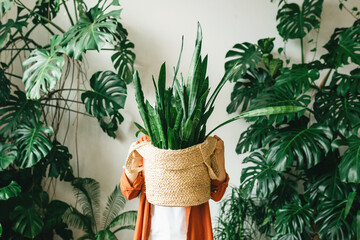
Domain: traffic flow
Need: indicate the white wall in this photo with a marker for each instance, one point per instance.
(156, 28)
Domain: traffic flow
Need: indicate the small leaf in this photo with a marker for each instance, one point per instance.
(12, 190)
(8, 154)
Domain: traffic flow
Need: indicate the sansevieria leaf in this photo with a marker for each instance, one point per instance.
(43, 69)
(12, 190)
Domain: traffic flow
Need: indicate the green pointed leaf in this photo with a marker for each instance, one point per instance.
(304, 147)
(43, 69)
(15, 110)
(105, 235)
(108, 94)
(76, 219)
(260, 177)
(27, 221)
(116, 202)
(296, 22)
(12, 190)
(349, 166)
(8, 154)
(349, 203)
(241, 58)
(124, 219)
(92, 32)
(32, 142)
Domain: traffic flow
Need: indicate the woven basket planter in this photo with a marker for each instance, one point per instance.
(177, 178)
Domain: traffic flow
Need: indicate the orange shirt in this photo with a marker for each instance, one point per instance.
(198, 218)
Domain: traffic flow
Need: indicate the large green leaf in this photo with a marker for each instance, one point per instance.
(332, 220)
(8, 154)
(345, 84)
(124, 59)
(6, 29)
(4, 87)
(339, 111)
(343, 46)
(349, 167)
(32, 142)
(124, 219)
(116, 202)
(247, 88)
(260, 177)
(88, 192)
(296, 22)
(27, 221)
(15, 110)
(5, 6)
(293, 218)
(305, 147)
(253, 137)
(43, 69)
(47, 9)
(241, 58)
(105, 235)
(108, 94)
(89, 33)
(78, 220)
(298, 79)
(12, 190)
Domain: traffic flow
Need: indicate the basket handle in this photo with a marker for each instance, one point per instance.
(129, 160)
(213, 162)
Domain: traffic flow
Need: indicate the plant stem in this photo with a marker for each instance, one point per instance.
(75, 9)
(69, 109)
(302, 50)
(325, 79)
(68, 13)
(13, 75)
(64, 99)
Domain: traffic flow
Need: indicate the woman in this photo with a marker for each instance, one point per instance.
(172, 223)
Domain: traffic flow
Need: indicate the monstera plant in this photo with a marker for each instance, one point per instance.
(302, 180)
(32, 157)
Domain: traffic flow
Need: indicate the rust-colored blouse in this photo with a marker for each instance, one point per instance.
(198, 218)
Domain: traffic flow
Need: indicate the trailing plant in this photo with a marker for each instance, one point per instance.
(178, 119)
(87, 191)
(298, 150)
(32, 157)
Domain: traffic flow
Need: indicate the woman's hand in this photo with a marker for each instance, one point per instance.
(220, 156)
(135, 164)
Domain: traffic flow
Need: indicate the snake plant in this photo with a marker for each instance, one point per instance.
(178, 119)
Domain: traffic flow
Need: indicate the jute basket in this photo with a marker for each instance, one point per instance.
(177, 178)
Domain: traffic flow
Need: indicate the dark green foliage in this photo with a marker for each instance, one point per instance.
(47, 9)
(12, 190)
(4, 87)
(309, 187)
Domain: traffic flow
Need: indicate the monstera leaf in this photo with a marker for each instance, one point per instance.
(12, 190)
(332, 219)
(43, 69)
(242, 57)
(254, 136)
(296, 22)
(304, 146)
(292, 218)
(260, 177)
(89, 33)
(297, 79)
(339, 111)
(27, 221)
(8, 154)
(5, 6)
(47, 9)
(6, 29)
(15, 110)
(343, 46)
(349, 167)
(345, 84)
(4, 87)
(123, 60)
(32, 142)
(247, 88)
(108, 95)
(111, 125)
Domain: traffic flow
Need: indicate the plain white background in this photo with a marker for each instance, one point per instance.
(156, 28)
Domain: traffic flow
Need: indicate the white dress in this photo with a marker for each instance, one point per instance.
(168, 223)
